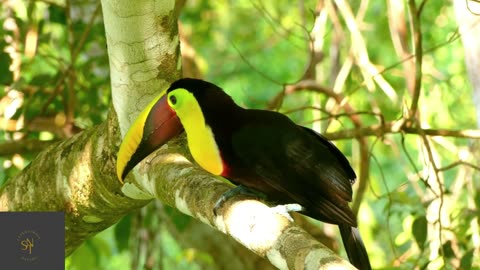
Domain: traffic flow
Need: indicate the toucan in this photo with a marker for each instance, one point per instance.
(259, 151)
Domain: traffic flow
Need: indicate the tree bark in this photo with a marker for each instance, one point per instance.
(469, 25)
(74, 176)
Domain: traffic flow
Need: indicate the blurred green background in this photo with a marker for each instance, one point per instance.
(417, 211)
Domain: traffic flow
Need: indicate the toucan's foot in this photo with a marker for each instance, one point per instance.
(238, 190)
(286, 208)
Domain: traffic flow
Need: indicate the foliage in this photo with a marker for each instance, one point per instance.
(420, 205)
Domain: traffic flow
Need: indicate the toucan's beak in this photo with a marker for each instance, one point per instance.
(156, 125)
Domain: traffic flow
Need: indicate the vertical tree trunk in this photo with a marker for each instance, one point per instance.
(467, 13)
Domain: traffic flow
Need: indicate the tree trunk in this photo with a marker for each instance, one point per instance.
(469, 26)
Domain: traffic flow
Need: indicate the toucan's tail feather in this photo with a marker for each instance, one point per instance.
(357, 254)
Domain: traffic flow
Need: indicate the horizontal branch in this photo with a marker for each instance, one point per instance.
(255, 225)
(24, 146)
(375, 130)
(397, 127)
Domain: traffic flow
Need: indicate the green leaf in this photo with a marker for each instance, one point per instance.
(42, 79)
(467, 260)
(424, 266)
(420, 230)
(84, 257)
(6, 77)
(57, 14)
(180, 220)
(448, 250)
(477, 200)
(122, 232)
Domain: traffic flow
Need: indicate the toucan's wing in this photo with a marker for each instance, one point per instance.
(343, 161)
(299, 163)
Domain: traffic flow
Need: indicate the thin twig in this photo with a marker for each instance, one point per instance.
(440, 191)
(389, 203)
(415, 15)
(59, 84)
(390, 128)
(459, 163)
(415, 169)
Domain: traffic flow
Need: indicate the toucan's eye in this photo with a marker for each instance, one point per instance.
(173, 99)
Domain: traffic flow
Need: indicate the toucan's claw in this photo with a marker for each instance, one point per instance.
(238, 190)
(285, 209)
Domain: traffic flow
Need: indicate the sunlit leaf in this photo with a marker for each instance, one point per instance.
(477, 199)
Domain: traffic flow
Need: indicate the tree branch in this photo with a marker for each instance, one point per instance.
(75, 176)
(250, 222)
(415, 15)
(24, 146)
(396, 127)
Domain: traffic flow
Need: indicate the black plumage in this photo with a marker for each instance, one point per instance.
(267, 152)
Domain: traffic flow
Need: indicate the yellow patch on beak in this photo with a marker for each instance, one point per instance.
(133, 138)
